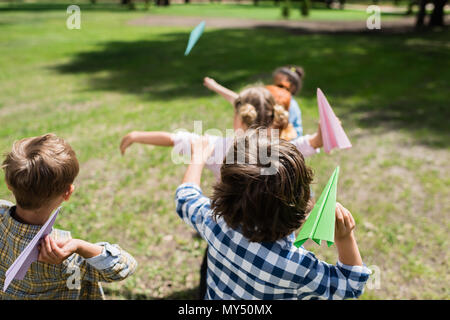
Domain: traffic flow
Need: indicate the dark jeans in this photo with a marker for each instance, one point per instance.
(203, 269)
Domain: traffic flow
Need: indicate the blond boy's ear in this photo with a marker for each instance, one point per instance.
(68, 193)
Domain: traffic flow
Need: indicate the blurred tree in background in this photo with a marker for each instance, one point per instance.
(430, 13)
(436, 17)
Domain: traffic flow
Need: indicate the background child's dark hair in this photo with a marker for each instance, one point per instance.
(295, 76)
(266, 208)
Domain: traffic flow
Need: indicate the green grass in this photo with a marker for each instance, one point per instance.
(91, 86)
(265, 11)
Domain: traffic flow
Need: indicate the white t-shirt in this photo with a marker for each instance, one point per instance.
(182, 145)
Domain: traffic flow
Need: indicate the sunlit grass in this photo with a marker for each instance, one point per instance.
(93, 85)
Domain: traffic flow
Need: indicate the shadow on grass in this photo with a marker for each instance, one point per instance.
(380, 80)
(188, 294)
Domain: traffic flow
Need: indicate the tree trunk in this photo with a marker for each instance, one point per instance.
(437, 16)
(162, 2)
(421, 14)
(305, 5)
(286, 9)
(130, 3)
(411, 4)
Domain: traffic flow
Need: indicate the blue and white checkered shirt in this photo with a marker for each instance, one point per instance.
(239, 269)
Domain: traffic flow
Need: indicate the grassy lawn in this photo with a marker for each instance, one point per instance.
(91, 86)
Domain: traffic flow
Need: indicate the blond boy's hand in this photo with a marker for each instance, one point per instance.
(344, 223)
(55, 252)
(127, 141)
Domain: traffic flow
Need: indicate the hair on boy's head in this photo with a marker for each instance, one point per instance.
(294, 74)
(256, 107)
(269, 207)
(39, 169)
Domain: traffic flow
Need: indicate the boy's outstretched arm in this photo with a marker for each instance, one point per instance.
(191, 205)
(201, 150)
(229, 95)
(156, 138)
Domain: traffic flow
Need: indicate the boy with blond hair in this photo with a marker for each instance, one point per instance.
(40, 172)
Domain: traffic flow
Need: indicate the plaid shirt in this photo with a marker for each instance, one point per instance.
(48, 281)
(239, 269)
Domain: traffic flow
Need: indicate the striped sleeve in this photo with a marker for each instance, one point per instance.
(332, 282)
(192, 206)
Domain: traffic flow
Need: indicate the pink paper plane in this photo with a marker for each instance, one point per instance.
(332, 133)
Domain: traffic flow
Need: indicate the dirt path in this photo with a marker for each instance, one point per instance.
(300, 26)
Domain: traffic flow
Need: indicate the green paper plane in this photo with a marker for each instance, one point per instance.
(320, 223)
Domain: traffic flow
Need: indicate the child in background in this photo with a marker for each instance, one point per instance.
(40, 172)
(254, 106)
(283, 98)
(249, 225)
(289, 78)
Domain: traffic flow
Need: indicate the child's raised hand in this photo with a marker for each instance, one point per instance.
(344, 223)
(209, 83)
(316, 141)
(126, 142)
(55, 252)
(201, 150)
(319, 136)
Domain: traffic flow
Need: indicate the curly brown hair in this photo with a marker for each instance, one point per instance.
(265, 208)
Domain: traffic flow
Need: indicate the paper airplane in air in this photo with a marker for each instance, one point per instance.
(195, 35)
(320, 223)
(30, 254)
(332, 133)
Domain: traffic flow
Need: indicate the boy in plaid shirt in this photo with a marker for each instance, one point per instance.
(249, 225)
(40, 172)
